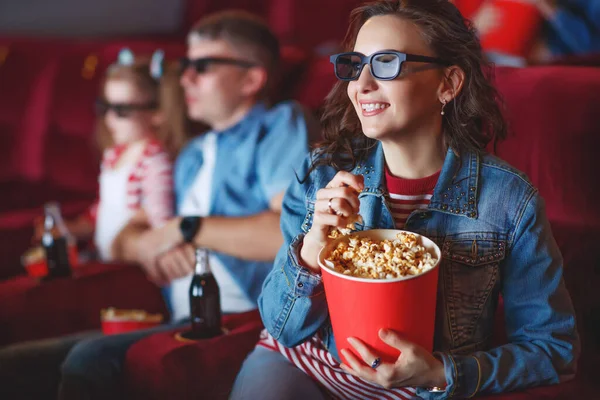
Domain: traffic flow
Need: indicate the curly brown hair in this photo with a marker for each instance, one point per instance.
(472, 119)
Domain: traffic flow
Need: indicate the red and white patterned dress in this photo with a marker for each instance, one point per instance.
(405, 196)
(144, 183)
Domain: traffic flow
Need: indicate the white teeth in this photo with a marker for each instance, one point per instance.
(368, 107)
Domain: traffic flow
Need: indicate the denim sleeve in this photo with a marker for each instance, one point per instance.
(589, 8)
(292, 303)
(282, 149)
(575, 32)
(543, 343)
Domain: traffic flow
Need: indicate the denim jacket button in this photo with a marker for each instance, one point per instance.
(300, 284)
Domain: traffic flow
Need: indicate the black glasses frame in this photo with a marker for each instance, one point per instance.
(364, 60)
(201, 64)
(123, 110)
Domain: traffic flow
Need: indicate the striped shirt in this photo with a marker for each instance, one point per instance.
(405, 196)
(150, 184)
(408, 195)
(313, 359)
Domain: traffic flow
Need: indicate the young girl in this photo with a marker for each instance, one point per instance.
(405, 132)
(140, 129)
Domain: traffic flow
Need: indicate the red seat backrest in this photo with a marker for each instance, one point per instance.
(27, 69)
(553, 113)
(315, 83)
(310, 23)
(70, 158)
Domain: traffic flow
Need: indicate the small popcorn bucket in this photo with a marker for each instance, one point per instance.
(360, 307)
(516, 34)
(122, 321)
(34, 260)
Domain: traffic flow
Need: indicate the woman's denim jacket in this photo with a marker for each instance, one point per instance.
(490, 223)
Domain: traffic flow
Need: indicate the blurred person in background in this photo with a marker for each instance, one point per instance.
(229, 184)
(540, 29)
(141, 128)
(572, 28)
(228, 188)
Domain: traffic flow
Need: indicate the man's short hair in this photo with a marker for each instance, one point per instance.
(246, 32)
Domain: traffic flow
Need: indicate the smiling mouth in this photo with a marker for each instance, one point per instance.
(372, 107)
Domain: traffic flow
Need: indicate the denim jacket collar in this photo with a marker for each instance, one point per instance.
(254, 115)
(455, 192)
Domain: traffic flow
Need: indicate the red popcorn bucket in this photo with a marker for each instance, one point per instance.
(37, 269)
(360, 307)
(122, 321)
(519, 28)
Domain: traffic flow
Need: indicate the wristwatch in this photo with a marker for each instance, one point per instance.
(188, 227)
(435, 389)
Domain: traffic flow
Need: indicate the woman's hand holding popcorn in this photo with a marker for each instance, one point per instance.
(336, 206)
(415, 367)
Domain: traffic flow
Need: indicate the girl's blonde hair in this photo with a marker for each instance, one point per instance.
(164, 90)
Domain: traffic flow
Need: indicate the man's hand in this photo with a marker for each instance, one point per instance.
(153, 243)
(175, 263)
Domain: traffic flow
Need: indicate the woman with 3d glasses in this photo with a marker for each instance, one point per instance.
(140, 129)
(405, 132)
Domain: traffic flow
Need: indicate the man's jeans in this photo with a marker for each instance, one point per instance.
(91, 366)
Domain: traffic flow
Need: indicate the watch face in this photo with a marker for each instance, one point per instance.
(188, 227)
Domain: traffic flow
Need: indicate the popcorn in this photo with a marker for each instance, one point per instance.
(337, 232)
(388, 259)
(34, 255)
(113, 314)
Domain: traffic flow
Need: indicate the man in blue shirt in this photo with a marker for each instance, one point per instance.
(229, 185)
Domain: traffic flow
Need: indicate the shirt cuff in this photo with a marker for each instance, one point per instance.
(449, 369)
(463, 377)
(302, 282)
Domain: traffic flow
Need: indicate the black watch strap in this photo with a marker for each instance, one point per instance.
(189, 226)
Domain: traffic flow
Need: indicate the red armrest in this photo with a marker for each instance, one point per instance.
(163, 367)
(30, 309)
